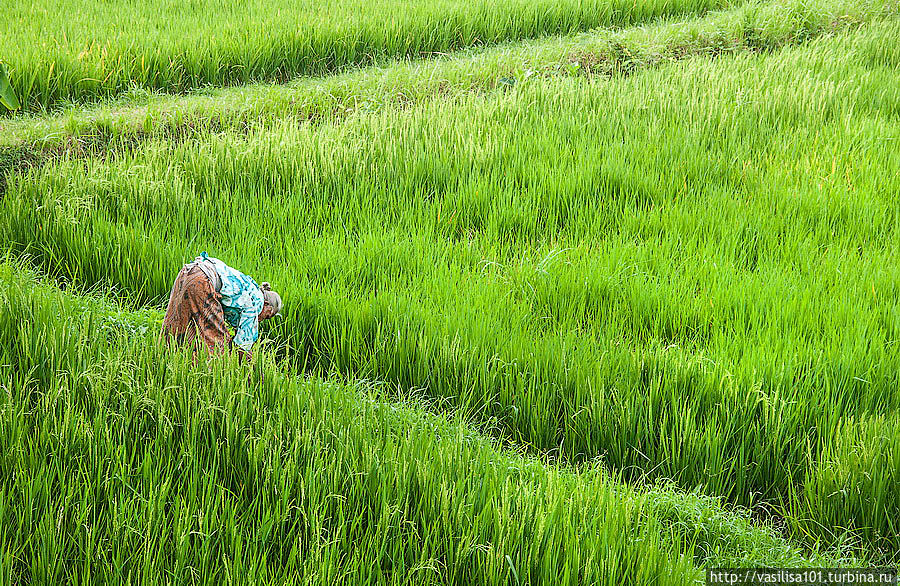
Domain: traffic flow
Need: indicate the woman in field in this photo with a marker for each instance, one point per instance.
(206, 295)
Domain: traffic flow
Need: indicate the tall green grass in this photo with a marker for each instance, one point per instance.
(122, 463)
(687, 273)
(79, 51)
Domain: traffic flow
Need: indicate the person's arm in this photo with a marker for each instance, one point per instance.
(247, 330)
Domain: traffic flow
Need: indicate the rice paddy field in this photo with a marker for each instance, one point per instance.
(588, 292)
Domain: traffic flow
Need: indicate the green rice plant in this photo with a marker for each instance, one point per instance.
(858, 469)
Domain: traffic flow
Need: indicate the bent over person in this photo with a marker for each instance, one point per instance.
(206, 295)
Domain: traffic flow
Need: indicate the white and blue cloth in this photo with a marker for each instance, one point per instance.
(242, 300)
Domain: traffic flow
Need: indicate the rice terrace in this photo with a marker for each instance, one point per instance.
(447, 291)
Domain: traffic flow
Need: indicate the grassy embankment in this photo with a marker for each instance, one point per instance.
(119, 462)
(687, 272)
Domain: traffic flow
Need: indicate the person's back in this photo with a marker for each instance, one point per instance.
(207, 295)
